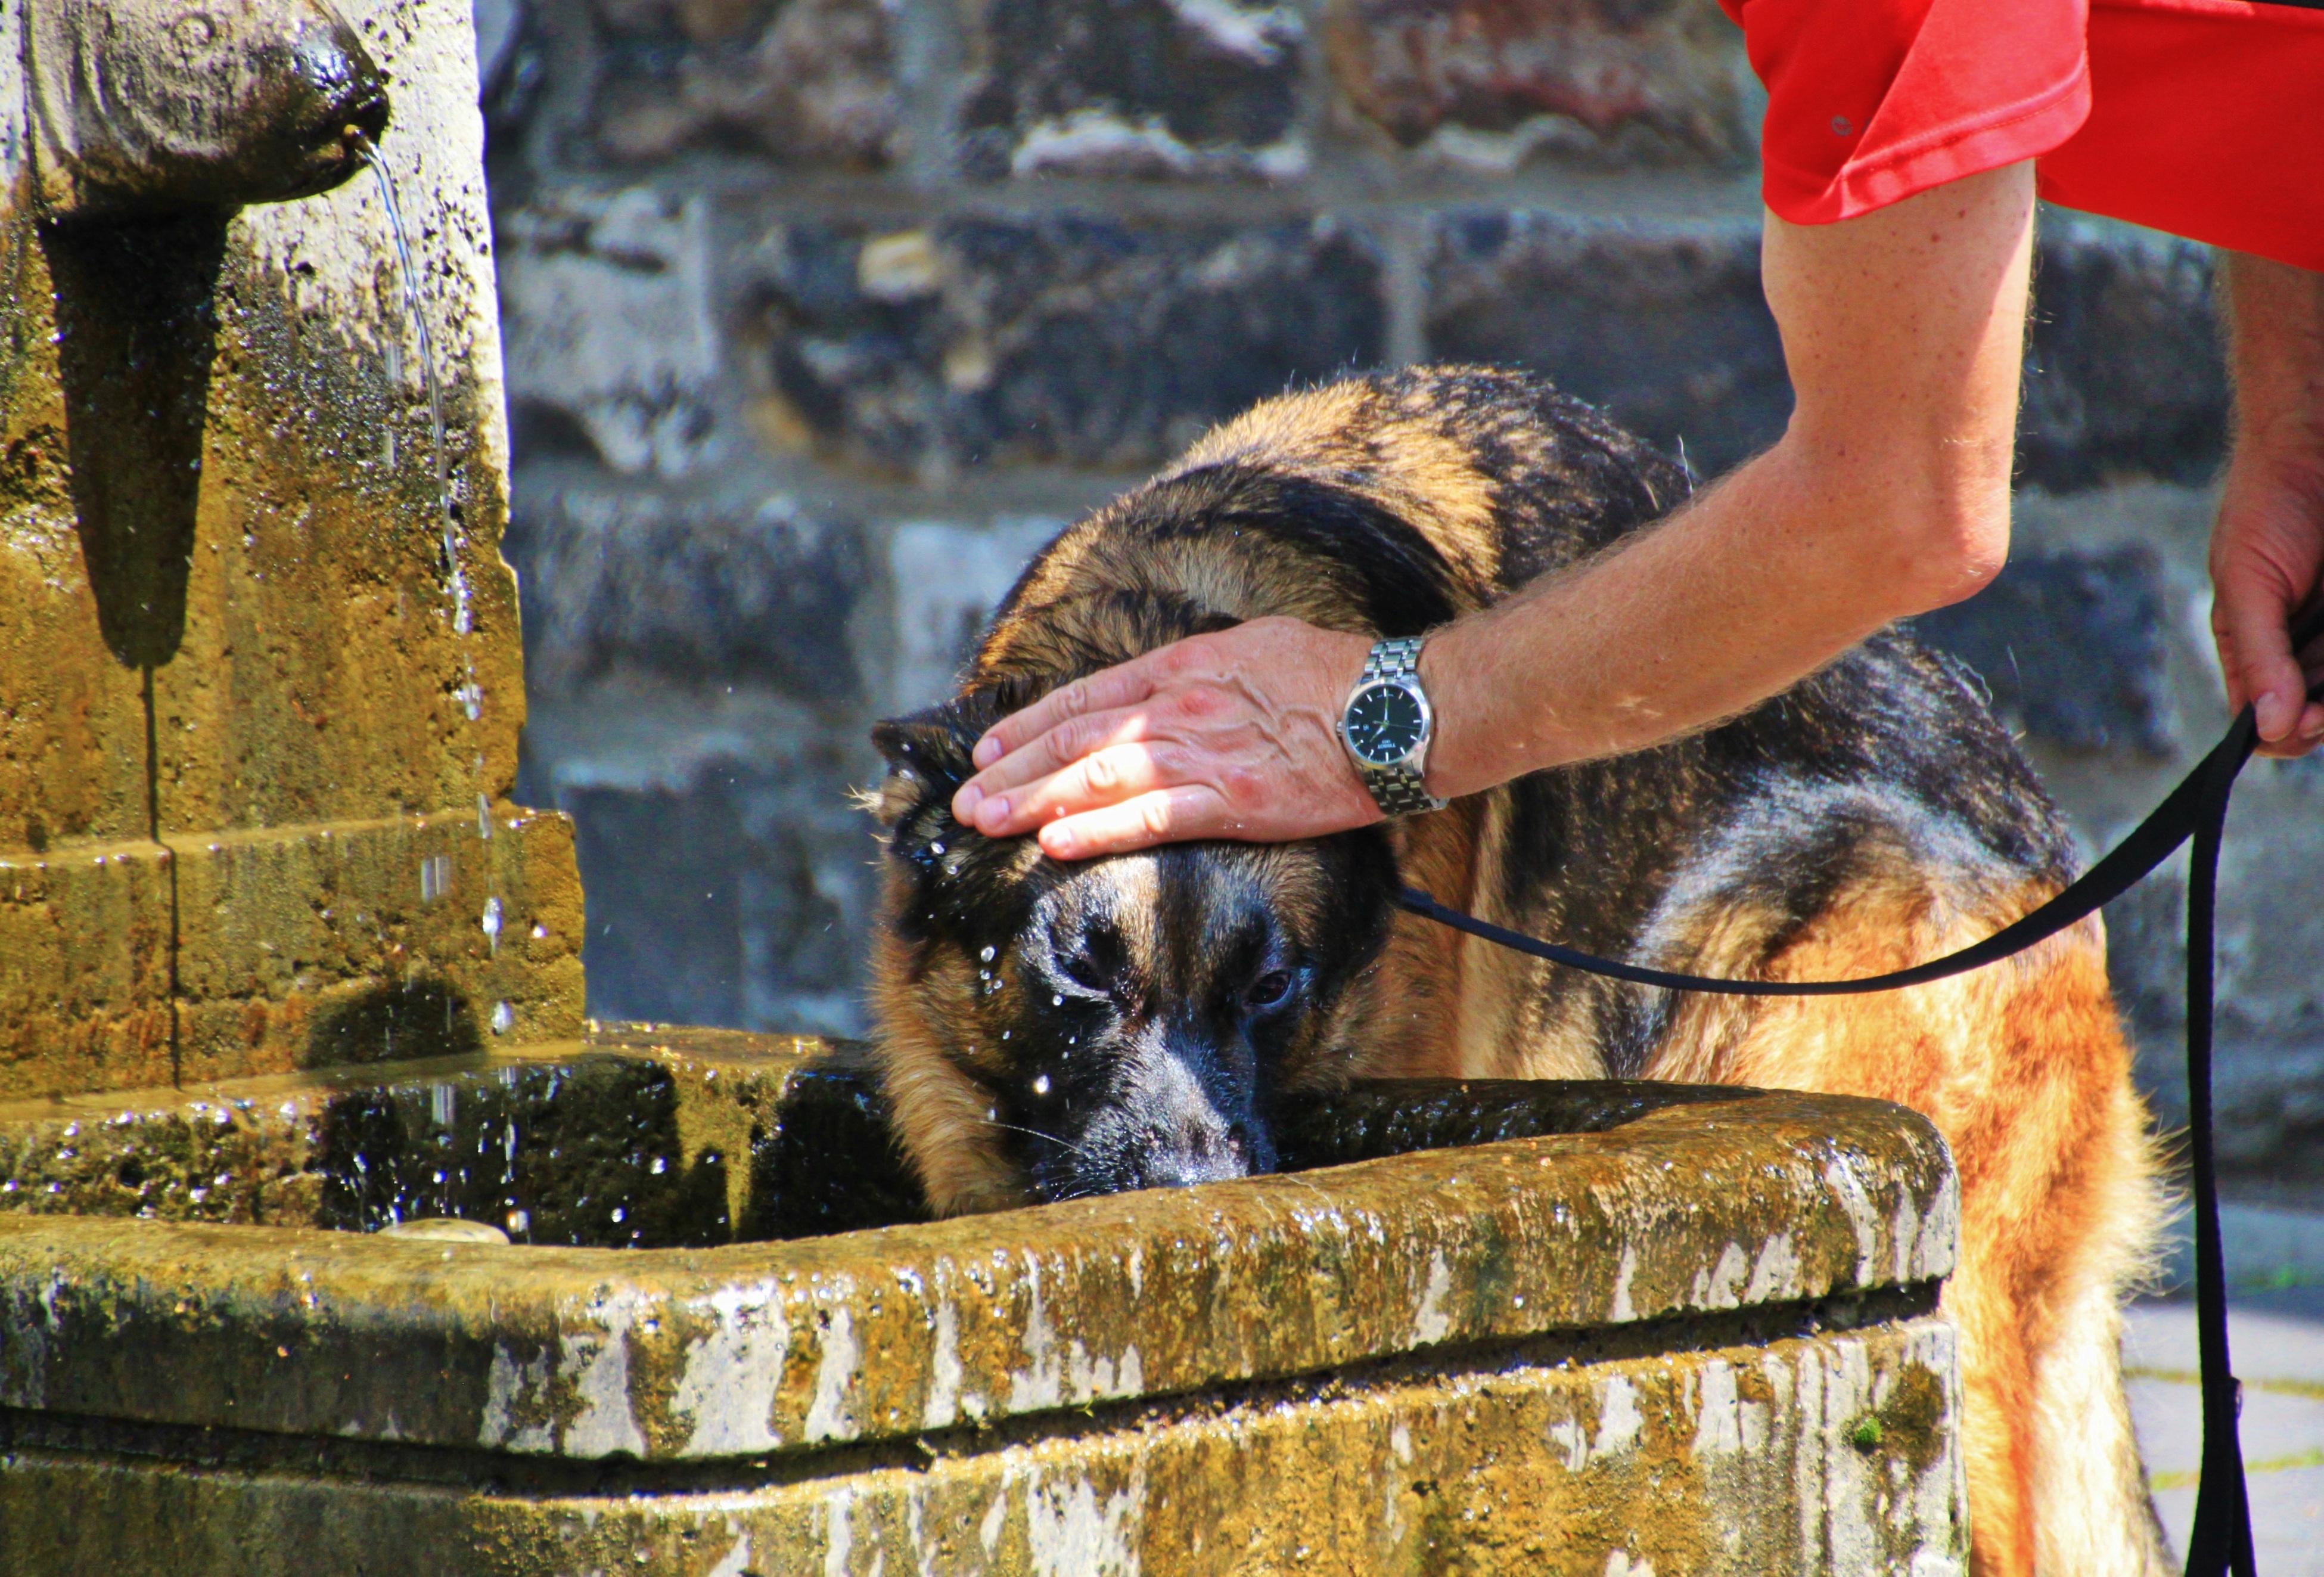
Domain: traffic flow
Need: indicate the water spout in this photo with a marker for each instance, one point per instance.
(161, 106)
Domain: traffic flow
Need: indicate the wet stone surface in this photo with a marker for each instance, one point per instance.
(1088, 341)
(617, 1143)
(628, 1141)
(1139, 87)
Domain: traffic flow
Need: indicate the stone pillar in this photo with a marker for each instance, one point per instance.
(259, 691)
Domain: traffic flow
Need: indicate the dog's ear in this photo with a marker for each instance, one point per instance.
(927, 755)
(958, 874)
(928, 752)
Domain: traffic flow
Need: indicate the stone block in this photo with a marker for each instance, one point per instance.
(809, 84)
(2071, 646)
(1069, 338)
(1666, 327)
(85, 958)
(605, 317)
(714, 907)
(257, 622)
(730, 877)
(307, 947)
(73, 728)
(945, 580)
(1139, 87)
(2124, 372)
(694, 591)
(1486, 82)
(267, 950)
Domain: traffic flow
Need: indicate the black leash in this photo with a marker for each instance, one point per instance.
(2197, 809)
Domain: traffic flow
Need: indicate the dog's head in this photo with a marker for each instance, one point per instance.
(1116, 1023)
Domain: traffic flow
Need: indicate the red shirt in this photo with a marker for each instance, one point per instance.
(2202, 117)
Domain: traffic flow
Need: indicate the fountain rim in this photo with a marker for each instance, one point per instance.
(1778, 1199)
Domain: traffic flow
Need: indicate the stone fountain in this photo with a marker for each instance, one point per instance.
(282, 964)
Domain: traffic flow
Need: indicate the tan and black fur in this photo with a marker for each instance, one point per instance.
(1047, 1030)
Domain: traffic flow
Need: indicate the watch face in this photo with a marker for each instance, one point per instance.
(1384, 724)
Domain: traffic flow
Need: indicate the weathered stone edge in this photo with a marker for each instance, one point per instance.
(695, 1354)
(1688, 1462)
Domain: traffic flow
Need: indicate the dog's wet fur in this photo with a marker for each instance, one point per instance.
(1049, 1030)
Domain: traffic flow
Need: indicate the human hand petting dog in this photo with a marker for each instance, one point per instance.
(1228, 736)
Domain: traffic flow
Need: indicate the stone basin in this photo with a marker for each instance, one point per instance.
(1626, 1328)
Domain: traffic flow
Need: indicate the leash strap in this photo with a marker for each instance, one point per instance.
(2221, 1541)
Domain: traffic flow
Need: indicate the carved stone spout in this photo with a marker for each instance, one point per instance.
(157, 106)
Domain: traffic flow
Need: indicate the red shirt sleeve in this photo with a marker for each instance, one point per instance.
(2207, 120)
(2201, 117)
(1874, 100)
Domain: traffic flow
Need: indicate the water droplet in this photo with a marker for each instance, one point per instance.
(1057, 1001)
(1041, 1085)
(1004, 1034)
(492, 923)
(660, 1165)
(986, 955)
(935, 848)
(519, 1220)
(503, 1019)
(619, 1213)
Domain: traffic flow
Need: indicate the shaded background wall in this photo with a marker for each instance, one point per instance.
(820, 315)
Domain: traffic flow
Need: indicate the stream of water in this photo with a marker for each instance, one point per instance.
(456, 578)
(470, 693)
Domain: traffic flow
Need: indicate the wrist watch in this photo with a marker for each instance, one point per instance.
(1387, 725)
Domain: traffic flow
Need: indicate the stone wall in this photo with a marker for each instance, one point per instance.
(821, 314)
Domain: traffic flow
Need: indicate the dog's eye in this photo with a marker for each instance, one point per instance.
(1268, 990)
(1097, 962)
(1084, 971)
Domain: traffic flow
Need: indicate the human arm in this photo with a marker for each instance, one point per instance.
(2267, 548)
(1887, 495)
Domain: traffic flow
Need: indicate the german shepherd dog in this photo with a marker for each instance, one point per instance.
(1048, 1031)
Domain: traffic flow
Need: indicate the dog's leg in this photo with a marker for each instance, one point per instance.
(2092, 1513)
(2023, 1068)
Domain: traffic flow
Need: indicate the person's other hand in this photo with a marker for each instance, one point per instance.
(1229, 735)
(2267, 549)
(2267, 557)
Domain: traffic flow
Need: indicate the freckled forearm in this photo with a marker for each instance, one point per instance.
(1755, 584)
(1888, 495)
